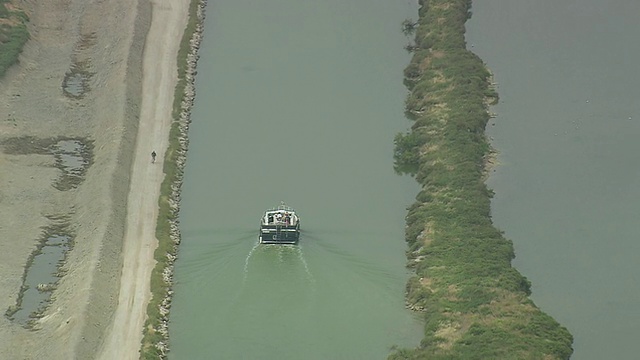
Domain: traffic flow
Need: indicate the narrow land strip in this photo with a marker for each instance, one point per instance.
(124, 335)
(475, 304)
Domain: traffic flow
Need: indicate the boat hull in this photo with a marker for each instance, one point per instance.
(279, 234)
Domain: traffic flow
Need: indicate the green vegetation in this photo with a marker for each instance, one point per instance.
(168, 211)
(475, 303)
(13, 34)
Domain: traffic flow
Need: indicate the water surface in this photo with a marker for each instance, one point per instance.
(297, 101)
(568, 189)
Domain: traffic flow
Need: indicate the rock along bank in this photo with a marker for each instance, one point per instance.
(156, 333)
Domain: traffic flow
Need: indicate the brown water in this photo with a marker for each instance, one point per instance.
(297, 101)
(568, 189)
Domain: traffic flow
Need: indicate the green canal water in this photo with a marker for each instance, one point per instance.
(297, 101)
(568, 188)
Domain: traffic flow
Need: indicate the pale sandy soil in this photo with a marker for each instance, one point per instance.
(99, 306)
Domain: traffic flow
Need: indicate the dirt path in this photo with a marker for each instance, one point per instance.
(124, 336)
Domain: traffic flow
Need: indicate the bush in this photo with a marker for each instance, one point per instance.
(466, 260)
(13, 37)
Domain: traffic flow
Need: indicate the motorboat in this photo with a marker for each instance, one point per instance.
(280, 225)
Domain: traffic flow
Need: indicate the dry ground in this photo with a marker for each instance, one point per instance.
(97, 306)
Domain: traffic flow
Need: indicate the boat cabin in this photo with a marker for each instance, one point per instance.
(280, 225)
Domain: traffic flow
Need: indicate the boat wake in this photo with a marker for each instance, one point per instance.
(304, 263)
(246, 262)
(275, 259)
(284, 251)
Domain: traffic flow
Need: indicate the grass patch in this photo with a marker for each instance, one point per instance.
(13, 34)
(475, 303)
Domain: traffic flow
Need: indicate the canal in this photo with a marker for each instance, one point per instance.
(297, 101)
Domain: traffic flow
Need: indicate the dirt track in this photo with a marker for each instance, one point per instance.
(100, 302)
(159, 81)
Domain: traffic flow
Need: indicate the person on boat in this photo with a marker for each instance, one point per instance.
(153, 156)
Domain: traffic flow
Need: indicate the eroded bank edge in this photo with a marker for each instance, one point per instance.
(155, 342)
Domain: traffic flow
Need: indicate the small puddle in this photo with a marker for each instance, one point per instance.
(76, 81)
(72, 157)
(40, 279)
(74, 84)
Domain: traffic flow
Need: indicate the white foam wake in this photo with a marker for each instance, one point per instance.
(246, 262)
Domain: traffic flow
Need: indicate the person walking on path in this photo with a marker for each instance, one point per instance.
(153, 156)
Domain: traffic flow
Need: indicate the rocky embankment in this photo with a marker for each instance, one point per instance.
(156, 333)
